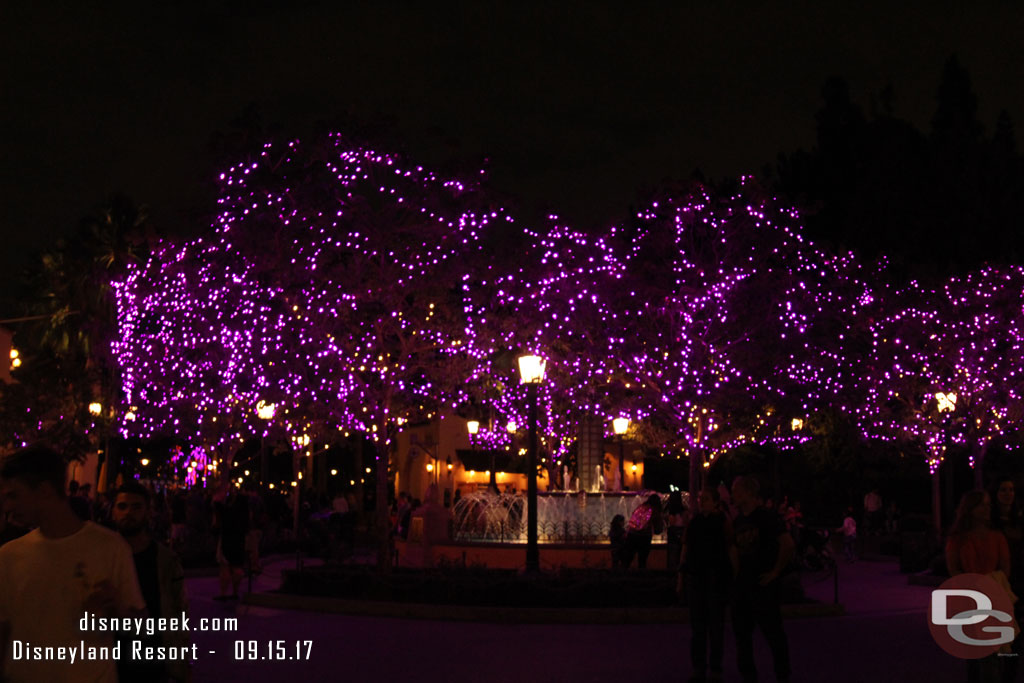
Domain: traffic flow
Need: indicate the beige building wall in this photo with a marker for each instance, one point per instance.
(423, 452)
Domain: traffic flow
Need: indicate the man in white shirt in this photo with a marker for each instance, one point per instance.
(51, 577)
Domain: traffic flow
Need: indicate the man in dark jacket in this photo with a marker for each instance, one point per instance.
(765, 549)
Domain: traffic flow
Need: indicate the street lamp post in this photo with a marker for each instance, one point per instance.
(619, 426)
(946, 403)
(473, 426)
(103, 448)
(264, 411)
(297, 455)
(531, 370)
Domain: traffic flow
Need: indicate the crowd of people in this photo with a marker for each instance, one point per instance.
(730, 551)
(58, 571)
(64, 551)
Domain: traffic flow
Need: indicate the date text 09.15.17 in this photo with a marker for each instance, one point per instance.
(279, 650)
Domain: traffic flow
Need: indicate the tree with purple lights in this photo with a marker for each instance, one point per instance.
(354, 292)
(710, 322)
(331, 290)
(946, 366)
(556, 303)
(737, 321)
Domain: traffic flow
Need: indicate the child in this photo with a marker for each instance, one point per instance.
(849, 529)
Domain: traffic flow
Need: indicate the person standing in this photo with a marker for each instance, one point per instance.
(403, 515)
(849, 531)
(179, 518)
(974, 547)
(1008, 519)
(644, 523)
(55, 573)
(872, 511)
(617, 540)
(79, 503)
(232, 512)
(708, 563)
(161, 579)
(676, 512)
(764, 550)
(257, 522)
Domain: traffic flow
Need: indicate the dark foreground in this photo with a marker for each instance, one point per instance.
(883, 637)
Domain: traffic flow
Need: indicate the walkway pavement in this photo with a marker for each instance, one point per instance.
(883, 637)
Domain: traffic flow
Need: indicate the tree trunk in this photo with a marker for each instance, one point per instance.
(360, 474)
(979, 453)
(776, 479)
(696, 467)
(950, 500)
(383, 526)
(590, 453)
(697, 462)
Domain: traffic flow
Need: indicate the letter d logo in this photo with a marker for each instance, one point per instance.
(939, 603)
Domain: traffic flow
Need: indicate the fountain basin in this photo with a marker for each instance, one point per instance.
(553, 556)
(565, 517)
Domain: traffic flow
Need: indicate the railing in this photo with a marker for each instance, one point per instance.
(571, 532)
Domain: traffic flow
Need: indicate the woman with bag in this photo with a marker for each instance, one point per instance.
(644, 523)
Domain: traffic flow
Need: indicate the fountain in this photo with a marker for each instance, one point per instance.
(564, 517)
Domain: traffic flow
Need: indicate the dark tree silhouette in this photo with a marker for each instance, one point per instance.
(936, 204)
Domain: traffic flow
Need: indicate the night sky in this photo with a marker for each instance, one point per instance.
(576, 107)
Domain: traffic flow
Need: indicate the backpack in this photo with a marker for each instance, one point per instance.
(640, 520)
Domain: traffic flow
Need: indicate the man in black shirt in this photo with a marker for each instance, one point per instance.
(161, 579)
(708, 563)
(764, 548)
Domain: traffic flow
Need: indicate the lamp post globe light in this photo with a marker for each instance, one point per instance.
(946, 402)
(265, 411)
(619, 426)
(531, 371)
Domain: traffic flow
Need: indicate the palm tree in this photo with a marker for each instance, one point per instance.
(71, 308)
